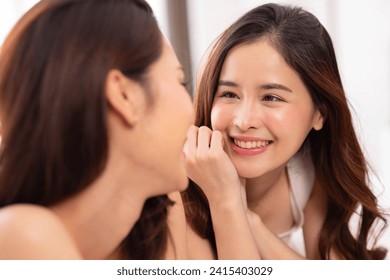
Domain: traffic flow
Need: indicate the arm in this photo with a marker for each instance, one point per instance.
(209, 166)
(233, 235)
(270, 246)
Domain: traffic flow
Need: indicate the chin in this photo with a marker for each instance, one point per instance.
(178, 184)
(174, 182)
(183, 184)
(249, 173)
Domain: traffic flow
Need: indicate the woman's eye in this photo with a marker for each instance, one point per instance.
(271, 98)
(228, 94)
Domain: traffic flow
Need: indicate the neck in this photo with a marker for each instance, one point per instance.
(269, 197)
(102, 215)
(260, 187)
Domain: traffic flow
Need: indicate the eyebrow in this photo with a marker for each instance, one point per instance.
(263, 87)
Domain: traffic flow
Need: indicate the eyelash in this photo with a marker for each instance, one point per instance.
(273, 97)
(228, 94)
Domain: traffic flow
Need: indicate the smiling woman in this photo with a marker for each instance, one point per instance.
(268, 104)
(275, 165)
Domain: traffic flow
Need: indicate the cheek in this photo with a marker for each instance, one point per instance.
(185, 109)
(278, 121)
(293, 121)
(177, 109)
(220, 117)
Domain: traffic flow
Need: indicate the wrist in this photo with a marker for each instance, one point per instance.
(253, 218)
(227, 212)
(226, 203)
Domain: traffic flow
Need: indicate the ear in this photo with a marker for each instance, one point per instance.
(125, 96)
(318, 120)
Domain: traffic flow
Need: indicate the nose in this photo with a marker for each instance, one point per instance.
(248, 116)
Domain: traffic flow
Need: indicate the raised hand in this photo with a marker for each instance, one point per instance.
(210, 167)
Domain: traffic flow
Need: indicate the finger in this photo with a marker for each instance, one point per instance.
(191, 141)
(226, 143)
(217, 141)
(204, 136)
(220, 142)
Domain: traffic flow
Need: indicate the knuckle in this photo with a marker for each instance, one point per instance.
(214, 157)
(193, 128)
(190, 161)
(217, 133)
(202, 158)
(204, 129)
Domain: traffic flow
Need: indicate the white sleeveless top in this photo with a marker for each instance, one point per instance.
(300, 171)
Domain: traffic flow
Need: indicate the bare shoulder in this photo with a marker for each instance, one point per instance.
(33, 232)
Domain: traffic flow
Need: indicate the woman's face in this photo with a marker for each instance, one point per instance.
(263, 108)
(166, 123)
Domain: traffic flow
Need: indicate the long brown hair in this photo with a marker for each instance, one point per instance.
(53, 68)
(338, 159)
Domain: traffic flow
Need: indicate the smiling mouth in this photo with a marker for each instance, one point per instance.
(251, 144)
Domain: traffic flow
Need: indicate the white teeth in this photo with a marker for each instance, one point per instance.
(251, 144)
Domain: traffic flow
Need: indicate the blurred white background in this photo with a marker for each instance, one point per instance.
(361, 34)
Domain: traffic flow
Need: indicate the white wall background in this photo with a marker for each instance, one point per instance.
(360, 31)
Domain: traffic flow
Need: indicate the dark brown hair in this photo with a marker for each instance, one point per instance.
(338, 159)
(53, 68)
